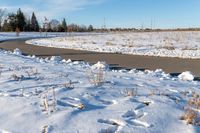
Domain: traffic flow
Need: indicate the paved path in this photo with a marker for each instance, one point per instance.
(170, 65)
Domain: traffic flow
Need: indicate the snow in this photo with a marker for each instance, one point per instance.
(12, 35)
(100, 65)
(27, 35)
(179, 44)
(187, 76)
(17, 51)
(56, 58)
(57, 96)
(54, 95)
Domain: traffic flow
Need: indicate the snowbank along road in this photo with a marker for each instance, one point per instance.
(116, 61)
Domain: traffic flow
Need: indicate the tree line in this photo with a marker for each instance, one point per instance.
(19, 22)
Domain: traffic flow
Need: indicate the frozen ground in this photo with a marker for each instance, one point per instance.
(58, 96)
(164, 44)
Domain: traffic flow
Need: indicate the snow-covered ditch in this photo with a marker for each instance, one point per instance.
(164, 44)
(60, 96)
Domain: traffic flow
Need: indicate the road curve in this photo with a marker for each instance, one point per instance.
(169, 65)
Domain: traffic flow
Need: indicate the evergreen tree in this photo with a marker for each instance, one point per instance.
(90, 28)
(34, 23)
(28, 26)
(21, 21)
(64, 25)
(12, 19)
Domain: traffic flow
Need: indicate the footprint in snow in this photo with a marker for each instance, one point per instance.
(133, 116)
(112, 122)
(138, 123)
(140, 106)
(117, 125)
(106, 102)
(78, 105)
(71, 98)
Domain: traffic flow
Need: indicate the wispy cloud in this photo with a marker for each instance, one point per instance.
(48, 8)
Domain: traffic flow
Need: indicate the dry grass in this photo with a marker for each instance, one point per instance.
(17, 77)
(130, 92)
(189, 48)
(191, 115)
(45, 103)
(49, 104)
(194, 102)
(80, 106)
(45, 129)
(109, 43)
(69, 85)
(96, 78)
(168, 47)
(154, 92)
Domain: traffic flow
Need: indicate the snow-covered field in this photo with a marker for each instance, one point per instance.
(53, 95)
(12, 35)
(58, 96)
(164, 44)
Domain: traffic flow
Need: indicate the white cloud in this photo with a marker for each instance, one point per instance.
(49, 8)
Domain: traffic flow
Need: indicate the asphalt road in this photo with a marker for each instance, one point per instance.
(116, 61)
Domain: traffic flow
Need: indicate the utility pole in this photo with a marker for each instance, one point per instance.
(142, 26)
(104, 24)
(46, 25)
(154, 23)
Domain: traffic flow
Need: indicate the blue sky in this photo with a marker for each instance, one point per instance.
(117, 13)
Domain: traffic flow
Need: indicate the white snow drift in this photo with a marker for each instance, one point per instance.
(187, 76)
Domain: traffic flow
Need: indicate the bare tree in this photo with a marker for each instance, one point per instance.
(2, 13)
